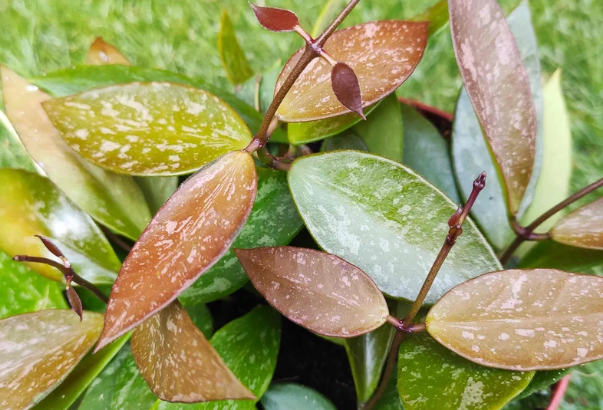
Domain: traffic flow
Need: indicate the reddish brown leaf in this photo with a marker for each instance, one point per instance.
(51, 246)
(187, 236)
(101, 53)
(316, 290)
(582, 227)
(178, 362)
(346, 87)
(74, 301)
(275, 19)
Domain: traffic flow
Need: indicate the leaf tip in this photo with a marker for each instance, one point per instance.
(274, 19)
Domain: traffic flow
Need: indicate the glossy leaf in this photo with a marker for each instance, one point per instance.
(131, 391)
(346, 87)
(13, 154)
(192, 232)
(23, 290)
(178, 362)
(233, 58)
(257, 335)
(348, 139)
(201, 317)
(290, 396)
(318, 291)
(436, 15)
(273, 221)
(157, 190)
(499, 89)
(38, 350)
(306, 132)
(78, 380)
(383, 54)
(551, 254)
(385, 219)
(542, 380)
(470, 151)
(79, 79)
(426, 152)
(275, 19)
(31, 205)
(432, 377)
(327, 14)
(539, 319)
(113, 200)
(150, 129)
(383, 132)
(583, 227)
(102, 52)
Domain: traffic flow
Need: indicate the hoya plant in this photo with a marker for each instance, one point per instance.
(438, 250)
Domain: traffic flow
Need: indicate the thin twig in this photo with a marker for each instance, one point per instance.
(527, 233)
(559, 392)
(118, 241)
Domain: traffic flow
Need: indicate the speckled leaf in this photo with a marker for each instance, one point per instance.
(383, 54)
(31, 205)
(131, 391)
(551, 254)
(13, 154)
(76, 80)
(249, 347)
(275, 19)
(316, 290)
(539, 319)
(470, 151)
(554, 182)
(178, 362)
(78, 380)
(306, 132)
(436, 15)
(189, 235)
(426, 152)
(149, 129)
(233, 58)
(432, 377)
(273, 221)
(290, 396)
(385, 219)
(113, 200)
(38, 350)
(102, 52)
(582, 227)
(157, 190)
(348, 139)
(367, 355)
(499, 88)
(383, 132)
(22, 290)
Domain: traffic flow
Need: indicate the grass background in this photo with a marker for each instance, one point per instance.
(38, 36)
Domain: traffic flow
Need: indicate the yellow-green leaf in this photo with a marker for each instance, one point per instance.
(233, 58)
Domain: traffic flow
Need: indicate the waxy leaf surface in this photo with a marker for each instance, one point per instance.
(431, 377)
(318, 291)
(191, 233)
(385, 219)
(537, 319)
(383, 54)
(383, 131)
(256, 335)
(551, 254)
(233, 58)
(178, 362)
(38, 350)
(32, 205)
(273, 221)
(426, 152)
(113, 200)
(470, 149)
(101, 53)
(348, 139)
(13, 154)
(275, 19)
(148, 128)
(499, 88)
(582, 227)
(290, 396)
(131, 391)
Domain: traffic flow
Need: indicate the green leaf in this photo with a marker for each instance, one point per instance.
(23, 290)
(290, 396)
(78, 380)
(550, 254)
(114, 200)
(436, 15)
(233, 58)
(201, 317)
(471, 154)
(346, 140)
(327, 14)
(542, 380)
(274, 221)
(427, 152)
(431, 377)
(82, 78)
(367, 355)
(31, 205)
(306, 132)
(13, 154)
(157, 190)
(249, 347)
(385, 219)
(390, 400)
(382, 132)
(131, 391)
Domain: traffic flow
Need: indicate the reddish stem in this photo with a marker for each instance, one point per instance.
(427, 108)
(559, 392)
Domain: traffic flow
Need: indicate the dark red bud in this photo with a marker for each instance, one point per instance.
(346, 88)
(275, 19)
(74, 301)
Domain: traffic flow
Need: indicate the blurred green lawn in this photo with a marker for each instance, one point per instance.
(43, 35)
